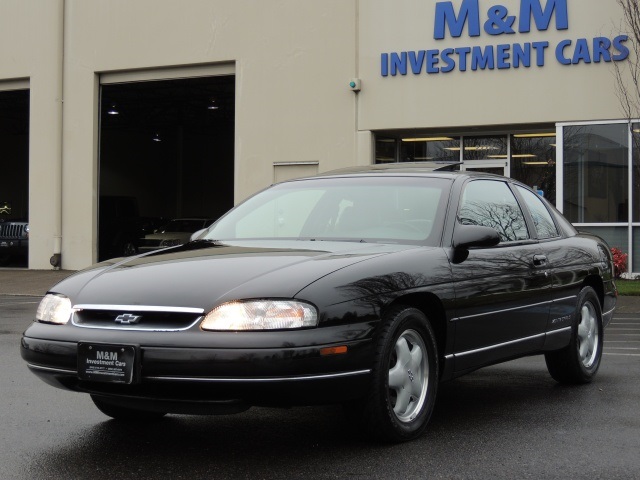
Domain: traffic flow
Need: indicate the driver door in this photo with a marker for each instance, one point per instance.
(502, 292)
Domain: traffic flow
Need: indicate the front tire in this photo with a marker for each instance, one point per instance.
(404, 378)
(118, 412)
(579, 361)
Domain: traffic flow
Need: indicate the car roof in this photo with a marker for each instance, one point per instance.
(440, 169)
(404, 167)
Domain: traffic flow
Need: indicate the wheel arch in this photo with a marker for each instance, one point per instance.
(429, 304)
(595, 282)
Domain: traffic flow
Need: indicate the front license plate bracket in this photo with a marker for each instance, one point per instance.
(108, 363)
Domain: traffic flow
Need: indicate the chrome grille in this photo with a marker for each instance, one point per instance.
(12, 230)
(136, 318)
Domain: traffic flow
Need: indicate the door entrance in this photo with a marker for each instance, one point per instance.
(14, 178)
(166, 154)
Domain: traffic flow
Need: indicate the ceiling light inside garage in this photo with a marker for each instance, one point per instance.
(113, 110)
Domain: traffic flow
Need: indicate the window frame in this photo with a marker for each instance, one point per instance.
(559, 232)
(528, 223)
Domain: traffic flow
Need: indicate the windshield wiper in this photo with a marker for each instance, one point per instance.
(202, 243)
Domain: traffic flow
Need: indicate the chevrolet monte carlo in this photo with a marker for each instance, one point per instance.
(365, 287)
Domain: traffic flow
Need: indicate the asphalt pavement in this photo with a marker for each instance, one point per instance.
(20, 281)
(501, 422)
(17, 281)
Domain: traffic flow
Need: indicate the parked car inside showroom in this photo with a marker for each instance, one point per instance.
(14, 235)
(365, 287)
(175, 232)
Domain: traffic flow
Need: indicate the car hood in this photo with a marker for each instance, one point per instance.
(204, 276)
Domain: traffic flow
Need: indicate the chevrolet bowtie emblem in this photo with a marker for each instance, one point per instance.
(127, 319)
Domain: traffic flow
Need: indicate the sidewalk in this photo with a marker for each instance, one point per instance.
(15, 281)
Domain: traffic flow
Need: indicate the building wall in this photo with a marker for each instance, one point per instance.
(30, 52)
(551, 93)
(293, 61)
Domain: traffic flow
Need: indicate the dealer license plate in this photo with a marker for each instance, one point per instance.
(106, 363)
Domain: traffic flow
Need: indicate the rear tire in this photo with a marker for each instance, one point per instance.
(404, 380)
(579, 361)
(125, 414)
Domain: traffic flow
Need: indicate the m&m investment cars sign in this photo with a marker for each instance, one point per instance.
(499, 22)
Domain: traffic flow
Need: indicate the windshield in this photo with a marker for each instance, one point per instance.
(382, 209)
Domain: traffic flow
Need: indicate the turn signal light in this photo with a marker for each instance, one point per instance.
(333, 350)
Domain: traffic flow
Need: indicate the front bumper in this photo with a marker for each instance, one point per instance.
(198, 379)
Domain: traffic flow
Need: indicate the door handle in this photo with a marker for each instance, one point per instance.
(539, 260)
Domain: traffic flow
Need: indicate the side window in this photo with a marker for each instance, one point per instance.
(491, 203)
(541, 216)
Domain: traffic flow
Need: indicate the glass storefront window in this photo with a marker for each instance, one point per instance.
(432, 149)
(635, 148)
(533, 161)
(635, 245)
(596, 173)
(385, 150)
(485, 148)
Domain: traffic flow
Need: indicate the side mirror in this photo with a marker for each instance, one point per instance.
(469, 236)
(195, 235)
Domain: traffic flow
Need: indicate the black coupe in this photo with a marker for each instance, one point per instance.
(365, 287)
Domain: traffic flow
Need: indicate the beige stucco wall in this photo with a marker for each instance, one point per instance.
(293, 60)
(551, 93)
(30, 48)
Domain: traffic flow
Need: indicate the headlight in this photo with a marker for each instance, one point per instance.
(54, 309)
(261, 315)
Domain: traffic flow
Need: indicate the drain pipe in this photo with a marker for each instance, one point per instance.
(56, 258)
